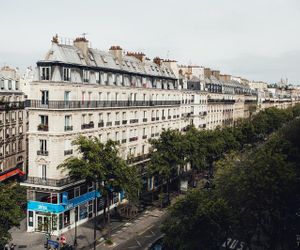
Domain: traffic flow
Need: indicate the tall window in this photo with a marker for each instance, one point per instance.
(86, 76)
(44, 172)
(45, 97)
(67, 96)
(43, 145)
(67, 121)
(66, 74)
(45, 73)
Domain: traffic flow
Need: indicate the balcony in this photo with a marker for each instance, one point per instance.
(43, 127)
(68, 152)
(100, 124)
(108, 124)
(144, 119)
(163, 118)
(123, 141)
(87, 125)
(139, 158)
(169, 117)
(68, 128)
(48, 182)
(43, 152)
(117, 123)
(157, 118)
(124, 122)
(174, 116)
(134, 120)
(95, 104)
(144, 137)
(153, 119)
(11, 105)
(133, 139)
(223, 101)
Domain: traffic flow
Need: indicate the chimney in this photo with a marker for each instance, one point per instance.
(117, 52)
(207, 73)
(139, 55)
(216, 74)
(83, 44)
(157, 61)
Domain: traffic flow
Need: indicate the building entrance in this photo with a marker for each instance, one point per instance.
(43, 223)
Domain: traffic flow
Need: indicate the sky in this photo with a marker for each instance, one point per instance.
(255, 39)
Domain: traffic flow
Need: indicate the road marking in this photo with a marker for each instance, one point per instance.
(138, 243)
(145, 230)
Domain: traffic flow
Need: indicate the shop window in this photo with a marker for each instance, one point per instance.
(100, 203)
(54, 222)
(60, 224)
(67, 218)
(82, 211)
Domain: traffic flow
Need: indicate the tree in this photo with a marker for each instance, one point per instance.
(11, 200)
(168, 153)
(199, 221)
(101, 164)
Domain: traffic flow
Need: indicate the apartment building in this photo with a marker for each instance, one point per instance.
(111, 95)
(12, 126)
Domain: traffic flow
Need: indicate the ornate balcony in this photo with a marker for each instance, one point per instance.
(94, 104)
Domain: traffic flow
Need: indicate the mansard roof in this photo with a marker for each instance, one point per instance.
(70, 54)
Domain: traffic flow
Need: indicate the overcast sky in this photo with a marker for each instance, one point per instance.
(256, 39)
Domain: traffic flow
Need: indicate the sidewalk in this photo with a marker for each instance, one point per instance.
(121, 231)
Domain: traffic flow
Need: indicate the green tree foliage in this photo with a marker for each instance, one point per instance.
(168, 153)
(12, 197)
(255, 197)
(100, 163)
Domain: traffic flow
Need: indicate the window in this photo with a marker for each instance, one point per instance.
(44, 120)
(67, 96)
(66, 74)
(86, 76)
(2, 84)
(44, 172)
(45, 97)
(9, 84)
(68, 120)
(45, 73)
(124, 115)
(43, 145)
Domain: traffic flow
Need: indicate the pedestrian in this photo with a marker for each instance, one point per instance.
(6, 247)
(12, 246)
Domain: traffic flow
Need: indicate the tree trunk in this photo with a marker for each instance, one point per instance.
(108, 217)
(168, 191)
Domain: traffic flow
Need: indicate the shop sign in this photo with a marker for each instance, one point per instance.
(58, 208)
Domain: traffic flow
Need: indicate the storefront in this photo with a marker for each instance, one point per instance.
(58, 218)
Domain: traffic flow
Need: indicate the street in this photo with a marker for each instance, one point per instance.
(134, 237)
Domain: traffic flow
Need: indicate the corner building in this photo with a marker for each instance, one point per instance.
(79, 90)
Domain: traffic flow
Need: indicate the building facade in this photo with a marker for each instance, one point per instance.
(12, 126)
(109, 95)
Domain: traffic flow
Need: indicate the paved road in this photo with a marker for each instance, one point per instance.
(133, 238)
(143, 239)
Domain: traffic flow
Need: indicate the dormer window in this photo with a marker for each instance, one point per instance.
(86, 76)
(45, 73)
(66, 74)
